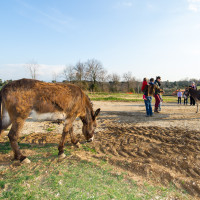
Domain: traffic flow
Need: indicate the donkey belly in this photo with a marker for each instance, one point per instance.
(48, 116)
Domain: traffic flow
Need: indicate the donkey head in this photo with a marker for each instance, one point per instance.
(89, 125)
(187, 91)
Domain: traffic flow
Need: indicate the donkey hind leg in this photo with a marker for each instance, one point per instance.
(13, 137)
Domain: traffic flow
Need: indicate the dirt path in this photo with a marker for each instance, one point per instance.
(164, 148)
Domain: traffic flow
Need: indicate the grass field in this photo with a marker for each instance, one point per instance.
(72, 178)
(125, 97)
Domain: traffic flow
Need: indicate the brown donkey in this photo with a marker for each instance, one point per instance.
(19, 98)
(195, 94)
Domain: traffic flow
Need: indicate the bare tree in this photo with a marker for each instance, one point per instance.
(130, 80)
(94, 71)
(68, 73)
(54, 77)
(115, 78)
(33, 68)
(103, 78)
(114, 82)
(80, 71)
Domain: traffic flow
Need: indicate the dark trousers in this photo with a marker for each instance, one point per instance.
(185, 101)
(179, 100)
(192, 101)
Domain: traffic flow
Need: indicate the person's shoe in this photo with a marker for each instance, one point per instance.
(156, 110)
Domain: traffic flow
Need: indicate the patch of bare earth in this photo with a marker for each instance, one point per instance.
(164, 148)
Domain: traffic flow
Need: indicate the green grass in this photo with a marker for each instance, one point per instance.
(49, 129)
(73, 178)
(111, 98)
(125, 97)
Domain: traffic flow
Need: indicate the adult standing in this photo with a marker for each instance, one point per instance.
(192, 101)
(157, 93)
(149, 92)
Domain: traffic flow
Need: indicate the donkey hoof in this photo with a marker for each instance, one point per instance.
(78, 145)
(26, 161)
(62, 156)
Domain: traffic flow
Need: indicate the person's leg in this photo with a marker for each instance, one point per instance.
(146, 105)
(150, 107)
(191, 102)
(159, 106)
(157, 101)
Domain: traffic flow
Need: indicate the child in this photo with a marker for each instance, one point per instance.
(179, 95)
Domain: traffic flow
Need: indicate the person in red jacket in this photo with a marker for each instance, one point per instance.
(144, 83)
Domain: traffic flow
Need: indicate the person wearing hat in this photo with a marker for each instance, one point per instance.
(157, 93)
(192, 101)
(149, 91)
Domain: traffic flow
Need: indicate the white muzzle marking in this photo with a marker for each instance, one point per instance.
(91, 139)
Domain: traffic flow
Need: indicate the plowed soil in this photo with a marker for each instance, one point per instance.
(164, 148)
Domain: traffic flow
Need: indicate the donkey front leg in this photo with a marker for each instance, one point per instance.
(62, 141)
(68, 129)
(197, 107)
(13, 137)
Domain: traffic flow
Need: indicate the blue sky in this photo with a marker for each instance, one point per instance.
(145, 37)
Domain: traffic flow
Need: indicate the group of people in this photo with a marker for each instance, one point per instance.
(185, 97)
(152, 89)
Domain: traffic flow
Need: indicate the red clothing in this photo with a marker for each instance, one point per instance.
(143, 85)
(157, 101)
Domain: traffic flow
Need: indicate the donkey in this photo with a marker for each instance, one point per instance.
(21, 97)
(195, 94)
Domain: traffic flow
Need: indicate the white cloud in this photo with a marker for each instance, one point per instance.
(47, 69)
(194, 5)
(194, 1)
(18, 71)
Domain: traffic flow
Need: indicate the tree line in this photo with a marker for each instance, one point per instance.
(92, 76)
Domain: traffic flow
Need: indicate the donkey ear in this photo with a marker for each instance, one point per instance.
(96, 113)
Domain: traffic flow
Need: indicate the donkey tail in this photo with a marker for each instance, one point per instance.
(4, 116)
(0, 113)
